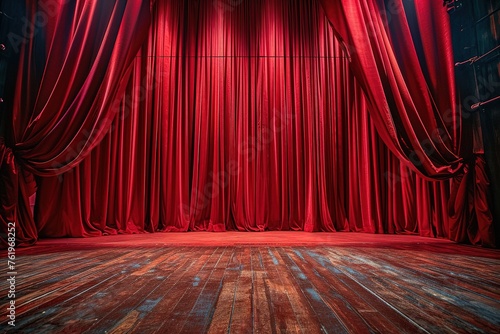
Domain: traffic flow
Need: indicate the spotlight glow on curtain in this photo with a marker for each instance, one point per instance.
(238, 115)
(241, 115)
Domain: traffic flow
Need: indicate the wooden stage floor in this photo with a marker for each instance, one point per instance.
(269, 282)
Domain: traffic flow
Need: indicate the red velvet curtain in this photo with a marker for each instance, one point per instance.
(73, 62)
(246, 115)
(402, 56)
(90, 46)
(241, 115)
(407, 74)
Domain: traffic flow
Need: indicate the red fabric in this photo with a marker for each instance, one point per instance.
(88, 53)
(14, 198)
(402, 56)
(410, 89)
(246, 115)
(65, 93)
(471, 219)
(242, 117)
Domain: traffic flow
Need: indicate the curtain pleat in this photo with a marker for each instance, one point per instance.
(74, 62)
(243, 117)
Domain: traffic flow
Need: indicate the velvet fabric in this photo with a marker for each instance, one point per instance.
(402, 56)
(407, 73)
(74, 62)
(245, 117)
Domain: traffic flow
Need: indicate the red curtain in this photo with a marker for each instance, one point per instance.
(72, 68)
(15, 191)
(241, 116)
(407, 74)
(247, 115)
(402, 56)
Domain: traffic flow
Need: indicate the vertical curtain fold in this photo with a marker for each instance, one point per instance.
(244, 117)
(402, 56)
(417, 118)
(87, 57)
(72, 69)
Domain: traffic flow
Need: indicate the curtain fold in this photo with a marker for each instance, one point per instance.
(402, 56)
(60, 117)
(15, 211)
(244, 117)
(408, 77)
(73, 66)
(471, 219)
(241, 115)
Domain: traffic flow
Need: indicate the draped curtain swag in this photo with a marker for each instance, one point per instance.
(243, 115)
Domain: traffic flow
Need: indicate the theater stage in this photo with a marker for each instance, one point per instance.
(270, 282)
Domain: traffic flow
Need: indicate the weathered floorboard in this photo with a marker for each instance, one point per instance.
(257, 289)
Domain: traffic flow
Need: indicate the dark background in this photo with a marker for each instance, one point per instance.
(475, 27)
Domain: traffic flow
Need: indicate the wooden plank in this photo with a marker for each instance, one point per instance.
(91, 276)
(113, 301)
(376, 311)
(263, 321)
(401, 283)
(333, 292)
(194, 286)
(221, 318)
(68, 265)
(307, 299)
(291, 313)
(241, 313)
(199, 318)
(365, 288)
(164, 305)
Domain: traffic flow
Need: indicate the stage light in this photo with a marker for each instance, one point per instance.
(452, 5)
